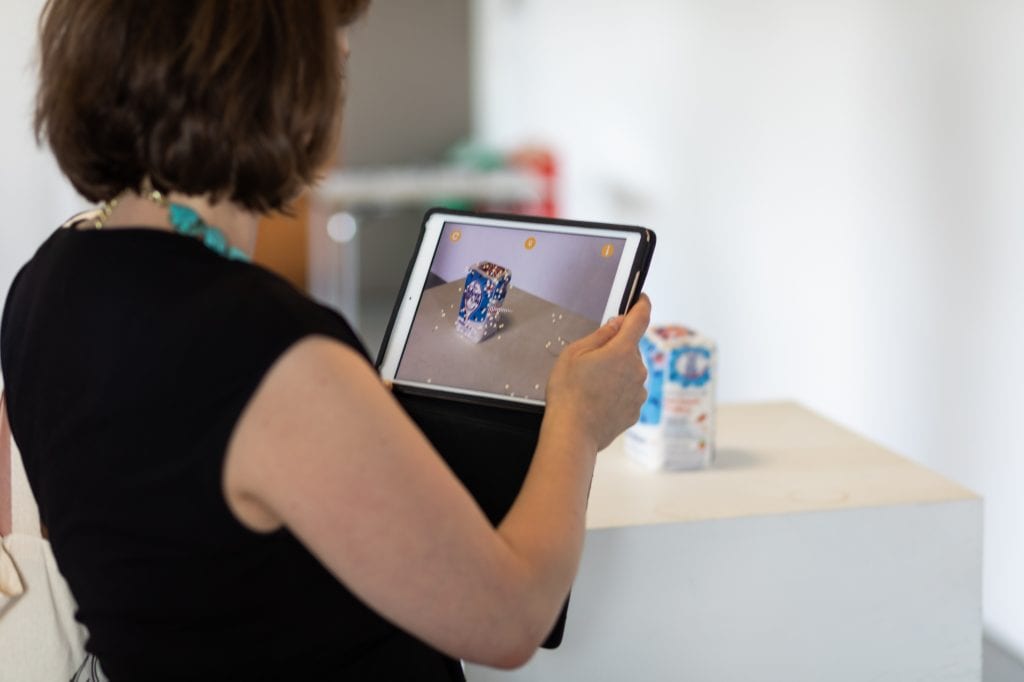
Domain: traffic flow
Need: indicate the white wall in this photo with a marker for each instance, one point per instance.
(838, 190)
(34, 196)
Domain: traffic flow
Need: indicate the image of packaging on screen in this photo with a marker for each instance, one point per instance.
(483, 294)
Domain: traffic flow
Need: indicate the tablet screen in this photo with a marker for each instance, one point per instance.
(500, 303)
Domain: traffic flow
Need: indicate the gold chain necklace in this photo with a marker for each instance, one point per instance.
(107, 206)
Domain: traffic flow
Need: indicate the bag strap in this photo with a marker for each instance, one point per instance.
(5, 469)
(19, 512)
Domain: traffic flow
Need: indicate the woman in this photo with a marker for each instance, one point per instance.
(229, 489)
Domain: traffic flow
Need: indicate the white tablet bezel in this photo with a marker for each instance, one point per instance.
(420, 269)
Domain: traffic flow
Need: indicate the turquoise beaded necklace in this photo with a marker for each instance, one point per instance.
(185, 221)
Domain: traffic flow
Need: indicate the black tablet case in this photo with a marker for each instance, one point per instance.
(488, 444)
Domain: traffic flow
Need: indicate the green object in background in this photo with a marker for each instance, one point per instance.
(454, 204)
(470, 154)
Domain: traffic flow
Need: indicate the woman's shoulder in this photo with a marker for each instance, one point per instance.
(259, 299)
(136, 287)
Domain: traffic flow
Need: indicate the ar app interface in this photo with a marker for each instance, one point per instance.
(500, 304)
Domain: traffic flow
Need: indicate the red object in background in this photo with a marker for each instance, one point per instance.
(542, 163)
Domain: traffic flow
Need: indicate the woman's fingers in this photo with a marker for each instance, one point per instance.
(603, 335)
(629, 328)
(635, 323)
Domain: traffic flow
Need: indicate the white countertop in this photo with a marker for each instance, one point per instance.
(772, 458)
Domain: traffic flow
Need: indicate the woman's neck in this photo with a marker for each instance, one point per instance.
(238, 225)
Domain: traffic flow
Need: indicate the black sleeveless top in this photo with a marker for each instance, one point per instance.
(128, 357)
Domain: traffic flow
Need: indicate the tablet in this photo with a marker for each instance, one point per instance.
(490, 301)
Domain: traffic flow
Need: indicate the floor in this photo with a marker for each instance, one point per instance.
(998, 665)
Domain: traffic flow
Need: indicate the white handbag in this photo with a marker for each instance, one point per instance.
(39, 637)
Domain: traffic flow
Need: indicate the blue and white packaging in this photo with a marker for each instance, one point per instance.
(677, 422)
(483, 293)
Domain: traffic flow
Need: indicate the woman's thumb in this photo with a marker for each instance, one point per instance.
(603, 335)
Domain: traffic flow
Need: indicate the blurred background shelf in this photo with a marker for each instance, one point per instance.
(363, 229)
(384, 190)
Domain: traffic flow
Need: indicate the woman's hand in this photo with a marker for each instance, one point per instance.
(597, 382)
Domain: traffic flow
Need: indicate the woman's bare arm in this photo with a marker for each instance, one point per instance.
(324, 449)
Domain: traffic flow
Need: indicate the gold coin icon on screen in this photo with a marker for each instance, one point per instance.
(530, 243)
(607, 250)
(456, 235)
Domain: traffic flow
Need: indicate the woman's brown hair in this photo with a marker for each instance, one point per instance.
(238, 99)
